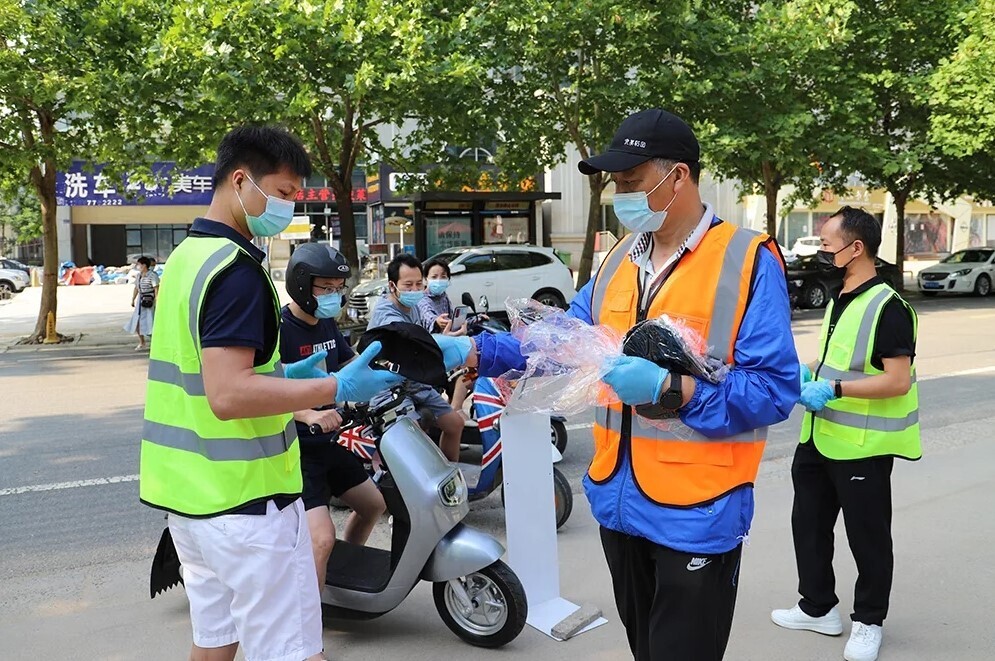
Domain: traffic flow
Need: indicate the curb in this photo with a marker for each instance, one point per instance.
(80, 341)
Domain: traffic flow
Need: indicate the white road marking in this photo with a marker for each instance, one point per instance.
(59, 486)
(976, 370)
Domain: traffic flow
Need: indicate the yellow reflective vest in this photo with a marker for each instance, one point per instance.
(850, 427)
(193, 463)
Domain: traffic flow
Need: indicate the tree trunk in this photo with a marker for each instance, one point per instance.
(45, 187)
(596, 183)
(347, 222)
(900, 200)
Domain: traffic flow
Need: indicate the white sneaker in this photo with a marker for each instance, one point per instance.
(864, 643)
(829, 624)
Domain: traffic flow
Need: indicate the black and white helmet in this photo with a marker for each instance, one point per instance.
(310, 261)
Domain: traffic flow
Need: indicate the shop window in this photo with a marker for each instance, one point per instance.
(156, 241)
(927, 234)
(506, 229)
(447, 232)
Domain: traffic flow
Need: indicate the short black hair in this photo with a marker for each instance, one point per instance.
(857, 224)
(262, 150)
(432, 263)
(403, 259)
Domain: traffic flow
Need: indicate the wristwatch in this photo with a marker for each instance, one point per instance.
(668, 404)
(673, 397)
(838, 389)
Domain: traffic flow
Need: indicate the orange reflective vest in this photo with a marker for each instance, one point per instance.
(708, 290)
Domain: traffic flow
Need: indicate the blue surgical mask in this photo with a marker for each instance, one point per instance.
(329, 306)
(633, 209)
(275, 218)
(437, 287)
(410, 299)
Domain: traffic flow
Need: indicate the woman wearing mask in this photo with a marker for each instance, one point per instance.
(143, 300)
(436, 309)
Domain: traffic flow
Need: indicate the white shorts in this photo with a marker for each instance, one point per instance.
(251, 579)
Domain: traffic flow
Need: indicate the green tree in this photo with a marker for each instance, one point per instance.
(896, 50)
(766, 103)
(65, 70)
(565, 73)
(333, 72)
(963, 90)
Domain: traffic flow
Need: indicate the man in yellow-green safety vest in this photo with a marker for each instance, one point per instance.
(862, 411)
(219, 445)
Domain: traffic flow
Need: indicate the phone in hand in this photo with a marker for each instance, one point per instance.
(460, 315)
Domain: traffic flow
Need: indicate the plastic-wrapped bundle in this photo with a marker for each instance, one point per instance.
(569, 356)
(671, 343)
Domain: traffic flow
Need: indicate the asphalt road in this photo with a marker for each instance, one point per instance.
(72, 529)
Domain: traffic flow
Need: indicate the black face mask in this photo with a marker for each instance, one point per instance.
(827, 259)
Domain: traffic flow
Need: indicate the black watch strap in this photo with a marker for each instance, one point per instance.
(673, 397)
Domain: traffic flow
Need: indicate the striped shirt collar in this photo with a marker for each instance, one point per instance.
(644, 242)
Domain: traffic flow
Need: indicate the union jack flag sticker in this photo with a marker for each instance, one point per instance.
(360, 441)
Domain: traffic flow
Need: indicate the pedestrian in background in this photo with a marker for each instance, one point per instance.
(862, 411)
(143, 300)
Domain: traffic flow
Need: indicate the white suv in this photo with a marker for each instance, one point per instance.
(12, 281)
(498, 272)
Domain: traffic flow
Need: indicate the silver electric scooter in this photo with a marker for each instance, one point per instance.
(477, 595)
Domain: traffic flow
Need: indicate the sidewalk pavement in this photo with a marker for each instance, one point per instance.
(944, 524)
(93, 315)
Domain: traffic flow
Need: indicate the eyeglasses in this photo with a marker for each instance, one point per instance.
(318, 291)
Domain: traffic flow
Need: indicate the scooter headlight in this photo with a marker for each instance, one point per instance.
(453, 491)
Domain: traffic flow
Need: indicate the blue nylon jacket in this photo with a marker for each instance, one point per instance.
(760, 391)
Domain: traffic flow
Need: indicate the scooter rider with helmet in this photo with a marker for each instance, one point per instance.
(316, 280)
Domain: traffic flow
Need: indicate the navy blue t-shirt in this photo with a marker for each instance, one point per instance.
(240, 311)
(298, 340)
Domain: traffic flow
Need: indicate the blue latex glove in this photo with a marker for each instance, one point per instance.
(358, 383)
(816, 394)
(307, 368)
(455, 350)
(635, 380)
(805, 373)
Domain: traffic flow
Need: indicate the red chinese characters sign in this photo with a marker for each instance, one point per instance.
(327, 195)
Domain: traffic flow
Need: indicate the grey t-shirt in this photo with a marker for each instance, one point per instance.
(387, 312)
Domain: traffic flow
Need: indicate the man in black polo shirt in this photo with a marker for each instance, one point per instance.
(862, 412)
(247, 568)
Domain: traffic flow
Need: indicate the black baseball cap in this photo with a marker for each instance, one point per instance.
(647, 134)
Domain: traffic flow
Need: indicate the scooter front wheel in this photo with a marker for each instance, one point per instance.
(486, 608)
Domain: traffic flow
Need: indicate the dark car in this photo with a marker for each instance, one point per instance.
(14, 265)
(810, 287)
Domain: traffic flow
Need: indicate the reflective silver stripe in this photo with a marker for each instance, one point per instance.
(605, 273)
(866, 331)
(192, 384)
(207, 268)
(219, 449)
(681, 432)
(831, 374)
(869, 422)
(165, 372)
(722, 325)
